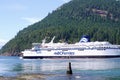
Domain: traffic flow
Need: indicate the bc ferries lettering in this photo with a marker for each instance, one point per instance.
(64, 53)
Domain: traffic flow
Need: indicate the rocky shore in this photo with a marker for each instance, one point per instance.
(27, 77)
(10, 54)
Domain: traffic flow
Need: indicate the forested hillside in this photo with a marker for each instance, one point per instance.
(98, 18)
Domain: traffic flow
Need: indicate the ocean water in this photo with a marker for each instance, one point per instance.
(83, 69)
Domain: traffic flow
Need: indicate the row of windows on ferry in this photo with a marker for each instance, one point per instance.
(80, 49)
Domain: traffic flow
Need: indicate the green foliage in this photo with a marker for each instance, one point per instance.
(98, 18)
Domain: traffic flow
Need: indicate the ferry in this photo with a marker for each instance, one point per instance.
(82, 49)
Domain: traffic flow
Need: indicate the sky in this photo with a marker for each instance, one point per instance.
(16, 15)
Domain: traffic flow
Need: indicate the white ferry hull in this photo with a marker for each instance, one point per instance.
(108, 53)
(83, 49)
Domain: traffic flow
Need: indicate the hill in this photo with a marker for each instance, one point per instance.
(98, 18)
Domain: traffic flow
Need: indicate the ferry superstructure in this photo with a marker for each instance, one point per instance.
(82, 49)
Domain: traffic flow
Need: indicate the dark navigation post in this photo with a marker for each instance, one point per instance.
(69, 69)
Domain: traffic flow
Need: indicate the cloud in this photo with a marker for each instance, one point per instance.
(31, 19)
(2, 42)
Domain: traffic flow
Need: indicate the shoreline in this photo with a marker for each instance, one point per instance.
(37, 76)
(30, 76)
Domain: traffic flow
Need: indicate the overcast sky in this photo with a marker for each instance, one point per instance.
(18, 14)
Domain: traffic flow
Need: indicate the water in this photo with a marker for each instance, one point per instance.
(83, 69)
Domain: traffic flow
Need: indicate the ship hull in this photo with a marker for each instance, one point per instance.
(83, 49)
(108, 53)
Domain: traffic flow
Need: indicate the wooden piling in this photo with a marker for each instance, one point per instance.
(69, 69)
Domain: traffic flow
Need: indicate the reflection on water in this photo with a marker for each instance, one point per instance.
(95, 64)
(91, 68)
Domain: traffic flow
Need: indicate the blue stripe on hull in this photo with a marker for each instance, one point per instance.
(42, 57)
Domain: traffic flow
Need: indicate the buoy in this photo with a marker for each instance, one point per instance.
(69, 69)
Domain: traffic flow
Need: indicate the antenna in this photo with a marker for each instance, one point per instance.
(44, 40)
(52, 39)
